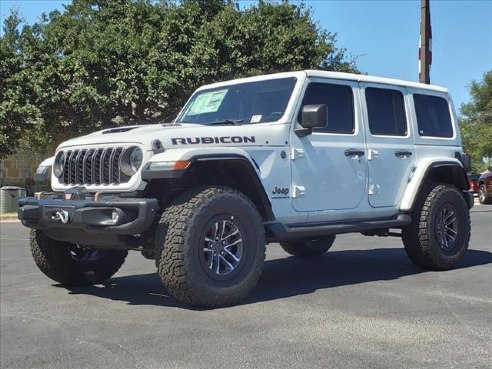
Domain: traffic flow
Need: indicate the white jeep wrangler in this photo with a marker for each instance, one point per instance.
(294, 158)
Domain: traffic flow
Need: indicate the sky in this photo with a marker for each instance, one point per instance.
(384, 35)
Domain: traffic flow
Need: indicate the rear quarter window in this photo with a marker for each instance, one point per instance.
(433, 117)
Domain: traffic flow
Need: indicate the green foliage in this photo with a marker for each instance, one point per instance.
(17, 111)
(102, 63)
(476, 123)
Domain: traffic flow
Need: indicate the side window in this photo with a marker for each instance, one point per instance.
(339, 100)
(386, 110)
(433, 118)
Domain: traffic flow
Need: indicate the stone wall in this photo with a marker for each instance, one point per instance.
(19, 169)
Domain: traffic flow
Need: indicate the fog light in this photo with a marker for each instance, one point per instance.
(115, 216)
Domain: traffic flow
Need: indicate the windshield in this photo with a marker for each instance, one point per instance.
(244, 103)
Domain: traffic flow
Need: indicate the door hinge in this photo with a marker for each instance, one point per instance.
(298, 191)
(372, 154)
(296, 153)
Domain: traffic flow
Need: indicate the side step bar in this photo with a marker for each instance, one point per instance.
(280, 232)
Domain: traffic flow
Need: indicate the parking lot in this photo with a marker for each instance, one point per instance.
(364, 304)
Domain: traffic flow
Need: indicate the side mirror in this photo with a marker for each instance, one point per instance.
(312, 116)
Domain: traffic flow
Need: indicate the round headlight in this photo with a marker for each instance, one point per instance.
(131, 160)
(136, 158)
(59, 164)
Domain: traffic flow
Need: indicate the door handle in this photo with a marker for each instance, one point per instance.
(354, 152)
(403, 154)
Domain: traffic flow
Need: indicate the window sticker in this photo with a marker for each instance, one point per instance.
(255, 118)
(207, 102)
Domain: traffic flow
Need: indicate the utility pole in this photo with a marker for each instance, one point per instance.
(425, 44)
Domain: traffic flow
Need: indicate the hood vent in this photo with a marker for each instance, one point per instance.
(171, 125)
(118, 130)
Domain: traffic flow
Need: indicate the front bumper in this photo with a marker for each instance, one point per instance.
(113, 215)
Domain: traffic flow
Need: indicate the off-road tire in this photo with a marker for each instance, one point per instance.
(308, 248)
(421, 237)
(55, 259)
(180, 240)
(482, 195)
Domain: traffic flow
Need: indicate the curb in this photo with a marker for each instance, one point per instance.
(8, 218)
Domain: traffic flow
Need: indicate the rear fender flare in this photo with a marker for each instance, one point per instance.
(446, 170)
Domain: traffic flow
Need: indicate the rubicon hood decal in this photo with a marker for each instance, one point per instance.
(212, 140)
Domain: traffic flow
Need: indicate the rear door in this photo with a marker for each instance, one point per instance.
(390, 146)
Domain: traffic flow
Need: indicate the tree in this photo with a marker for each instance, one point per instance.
(102, 63)
(17, 111)
(476, 122)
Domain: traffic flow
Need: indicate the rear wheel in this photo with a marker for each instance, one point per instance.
(309, 247)
(72, 264)
(482, 195)
(439, 234)
(211, 247)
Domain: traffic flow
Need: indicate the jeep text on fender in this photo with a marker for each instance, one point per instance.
(294, 158)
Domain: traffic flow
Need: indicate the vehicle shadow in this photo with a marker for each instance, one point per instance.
(286, 277)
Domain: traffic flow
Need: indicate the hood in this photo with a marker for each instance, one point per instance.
(173, 135)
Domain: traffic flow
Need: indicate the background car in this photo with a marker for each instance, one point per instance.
(485, 187)
(473, 180)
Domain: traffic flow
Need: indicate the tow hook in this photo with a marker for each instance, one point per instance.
(61, 215)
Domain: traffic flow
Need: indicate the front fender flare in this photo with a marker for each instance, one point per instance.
(151, 169)
(196, 156)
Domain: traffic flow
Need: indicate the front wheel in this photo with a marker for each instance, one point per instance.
(72, 264)
(210, 247)
(309, 247)
(483, 198)
(439, 234)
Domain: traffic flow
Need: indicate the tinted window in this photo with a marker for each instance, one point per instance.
(339, 101)
(386, 111)
(433, 117)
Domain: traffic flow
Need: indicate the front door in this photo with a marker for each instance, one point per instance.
(329, 165)
(390, 146)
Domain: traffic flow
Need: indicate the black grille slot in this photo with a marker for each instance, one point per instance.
(89, 178)
(79, 174)
(115, 165)
(66, 167)
(106, 159)
(97, 166)
(94, 166)
(73, 166)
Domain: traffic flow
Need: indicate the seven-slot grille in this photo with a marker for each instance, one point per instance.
(93, 166)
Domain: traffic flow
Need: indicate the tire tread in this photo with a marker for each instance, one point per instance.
(171, 246)
(303, 249)
(417, 237)
(53, 259)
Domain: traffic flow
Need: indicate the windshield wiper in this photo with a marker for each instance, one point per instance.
(225, 122)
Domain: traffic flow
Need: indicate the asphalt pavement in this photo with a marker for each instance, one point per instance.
(363, 305)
